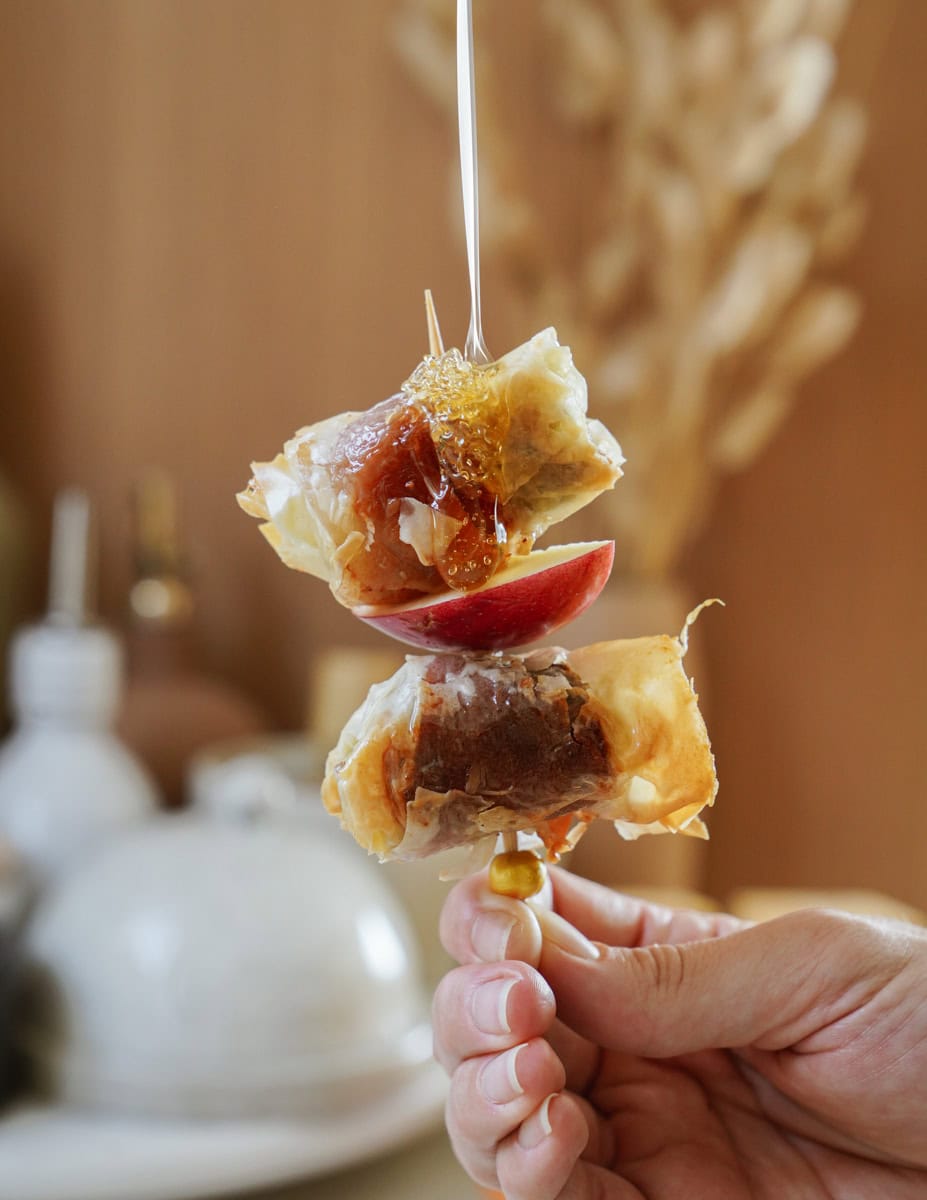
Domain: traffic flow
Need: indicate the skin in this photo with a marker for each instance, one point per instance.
(635, 1052)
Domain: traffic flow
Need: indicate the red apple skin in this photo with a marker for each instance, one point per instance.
(511, 614)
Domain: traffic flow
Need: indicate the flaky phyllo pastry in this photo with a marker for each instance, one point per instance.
(441, 484)
(455, 749)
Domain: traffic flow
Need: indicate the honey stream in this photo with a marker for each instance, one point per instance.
(475, 348)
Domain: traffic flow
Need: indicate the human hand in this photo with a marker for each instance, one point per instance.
(680, 1054)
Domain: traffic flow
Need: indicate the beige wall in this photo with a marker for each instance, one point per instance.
(216, 221)
(819, 667)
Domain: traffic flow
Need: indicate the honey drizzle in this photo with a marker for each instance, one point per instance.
(468, 425)
(475, 348)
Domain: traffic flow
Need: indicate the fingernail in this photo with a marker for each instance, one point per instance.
(490, 935)
(562, 934)
(498, 1080)
(490, 1006)
(537, 1127)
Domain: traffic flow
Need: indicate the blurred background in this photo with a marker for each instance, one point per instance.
(216, 224)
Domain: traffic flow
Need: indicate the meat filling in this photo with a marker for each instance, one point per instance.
(493, 732)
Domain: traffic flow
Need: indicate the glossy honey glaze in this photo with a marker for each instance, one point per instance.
(439, 443)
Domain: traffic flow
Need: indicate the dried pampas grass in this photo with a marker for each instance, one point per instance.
(706, 295)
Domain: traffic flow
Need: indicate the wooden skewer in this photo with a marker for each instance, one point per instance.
(435, 341)
(509, 842)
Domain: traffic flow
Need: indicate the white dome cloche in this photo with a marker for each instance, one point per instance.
(207, 968)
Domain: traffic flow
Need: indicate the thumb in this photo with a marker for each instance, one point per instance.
(769, 985)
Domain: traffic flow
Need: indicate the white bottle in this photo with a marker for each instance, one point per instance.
(67, 784)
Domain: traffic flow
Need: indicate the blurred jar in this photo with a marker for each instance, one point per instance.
(172, 707)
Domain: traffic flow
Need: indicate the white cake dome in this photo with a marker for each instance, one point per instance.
(202, 967)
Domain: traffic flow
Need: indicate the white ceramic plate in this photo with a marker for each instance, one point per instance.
(55, 1153)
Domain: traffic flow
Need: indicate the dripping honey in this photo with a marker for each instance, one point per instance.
(442, 446)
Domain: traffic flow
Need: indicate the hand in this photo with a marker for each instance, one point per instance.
(681, 1055)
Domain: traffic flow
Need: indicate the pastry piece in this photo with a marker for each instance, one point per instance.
(439, 486)
(455, 749)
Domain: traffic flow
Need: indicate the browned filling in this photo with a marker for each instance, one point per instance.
(389, 455)
(500, 735)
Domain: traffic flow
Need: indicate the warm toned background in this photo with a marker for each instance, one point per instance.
(216, 221)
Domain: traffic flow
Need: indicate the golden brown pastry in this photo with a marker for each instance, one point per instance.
(457, 748)
(439, 486)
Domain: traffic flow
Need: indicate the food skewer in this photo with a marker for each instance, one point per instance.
(512, 872)
(422, 515)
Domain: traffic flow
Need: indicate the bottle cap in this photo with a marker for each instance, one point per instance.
(61, 672)
(71, 568)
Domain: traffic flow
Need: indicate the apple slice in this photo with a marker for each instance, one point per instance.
(532, 595)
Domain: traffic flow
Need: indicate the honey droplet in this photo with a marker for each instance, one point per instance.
(517, 873)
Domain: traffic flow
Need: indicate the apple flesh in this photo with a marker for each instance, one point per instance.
(531, 596)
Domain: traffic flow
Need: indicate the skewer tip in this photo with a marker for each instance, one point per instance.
(435, 341)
